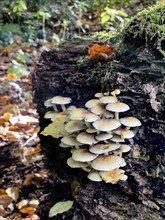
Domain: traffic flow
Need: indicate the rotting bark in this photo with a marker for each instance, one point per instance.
(140, 75)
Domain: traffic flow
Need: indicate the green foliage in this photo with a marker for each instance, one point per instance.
(19, 7)
(112, 16)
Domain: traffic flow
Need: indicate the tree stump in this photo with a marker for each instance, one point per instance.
(139, 72)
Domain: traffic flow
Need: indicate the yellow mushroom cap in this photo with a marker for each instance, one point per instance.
(86, 138)
(73, 126)
(70, 140)
(91, 130)
(103, 148)
(92, 103)
(61, 100)
(99, 94)
(117, 107)
(83, 155)
(130, 121)
(107, 163)
(113, 176)
(108, 99)
(115, 92)
(94, 176)
(106, 124)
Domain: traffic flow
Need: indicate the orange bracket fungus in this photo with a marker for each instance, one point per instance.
(95, 134)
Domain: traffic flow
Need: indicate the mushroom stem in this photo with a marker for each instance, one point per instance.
(127, 128)
(117, 115)
(87, 124)
(55, 108)
(63, 107)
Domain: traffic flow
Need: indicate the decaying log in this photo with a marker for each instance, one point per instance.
(140, 75)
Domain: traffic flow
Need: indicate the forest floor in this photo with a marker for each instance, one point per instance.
(23, 175)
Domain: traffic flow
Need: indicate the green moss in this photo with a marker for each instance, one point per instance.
(149, 26)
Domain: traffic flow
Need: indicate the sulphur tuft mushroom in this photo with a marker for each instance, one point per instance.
(95, 134)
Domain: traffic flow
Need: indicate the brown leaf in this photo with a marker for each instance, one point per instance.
(28, 210)
(13, 192)
(98, 53)
(5, 200)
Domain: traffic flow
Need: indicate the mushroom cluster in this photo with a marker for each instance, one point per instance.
(95, 134)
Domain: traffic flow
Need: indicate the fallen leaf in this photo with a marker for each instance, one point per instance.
(7, 108)
(33, 151)
(11, 76)
(60, 207)
(98, 53)
(56, 129)
(2, 191)
(28, 210)
(7, 116)
(4, 98)
(5, 200)
(13, 192)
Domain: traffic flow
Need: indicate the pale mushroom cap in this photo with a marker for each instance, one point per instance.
(73, 126)
(91, 103)
(124, 133)
(113, 176)
(48, 103)
(103, 136)
(78, 114)
(70, 140)
(117, 138)
(94, 176)
(86, 138)
(117, 107)
(75, 164)
(63, 116)
(107, 163)
(99, 94)
(108, 99)
(106, 124)
(83, 155)
(91, 130)
(115, 92)
(103, 148)
(61, 100)
(130, 121)
(127, 134)
(98, 109)
(50, 114)
(124, 148)
(91, 117)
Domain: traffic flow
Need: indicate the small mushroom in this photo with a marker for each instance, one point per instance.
(60, 100)
(75, 126)
(78, 114)
(106, 124)
(125, 134)
(108, 99)
(94, 176)
(103, 136)
(92, 103)
(50, 114)
(103, 148)
(115, 92)
(83, 155)
(130, 122)
(107, 162)
(70, 141)
(113, 176)
(76, 164)
(117, 107)
(86, 138)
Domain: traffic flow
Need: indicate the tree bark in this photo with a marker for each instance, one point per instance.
(139, 72)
